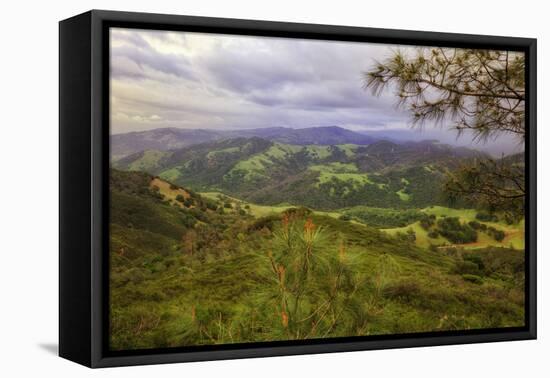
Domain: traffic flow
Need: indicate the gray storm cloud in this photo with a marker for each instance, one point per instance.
(194, 80)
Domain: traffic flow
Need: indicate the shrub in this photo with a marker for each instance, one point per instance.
(411, 235)
(485, 216)
(211, 205)
(199, 215)
(155, 192)
(475, 225)
(498, 235)
(466, 267)
(187, 219)
(298, 212)
(385, 217)
(408, 236)
(427, 222)
(180, 198)
(433, 234)
(264, 222)
(476, 259)
(454, 231)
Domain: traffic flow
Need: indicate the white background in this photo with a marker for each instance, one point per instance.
(29, 187)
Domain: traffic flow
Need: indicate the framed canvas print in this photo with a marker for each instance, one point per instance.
(234, 188)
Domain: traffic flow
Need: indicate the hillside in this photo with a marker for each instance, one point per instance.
(172, 138)
(188, 269)
(381, 174)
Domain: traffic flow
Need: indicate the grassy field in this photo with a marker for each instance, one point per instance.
(345, 172)
(349, 149)
(171, 174)
(319, 152)
(264, 210)
(255, 210)
(514, 233)
(215, 153)
(422, 239)
(170, 192)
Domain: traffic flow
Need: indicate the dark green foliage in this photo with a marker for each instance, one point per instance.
(476, 259)
(345, 217)
(498, 235)
(495, 185)
(485, 216)
(211, 205)
(455, 232)
(427, 222)
(412, 169)
(199, 214)
(466, 267)
(146, 214)
(433, 234)
(264, 222)
(136, 183)
(299, 212)
(180, 198)
(482, 91)
(188, 219)
(477, 226)
(384, 218)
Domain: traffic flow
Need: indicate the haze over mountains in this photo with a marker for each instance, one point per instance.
(304, 166)
(165, 139)
(172, 138)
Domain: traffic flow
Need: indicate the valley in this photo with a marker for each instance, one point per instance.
(253, 239)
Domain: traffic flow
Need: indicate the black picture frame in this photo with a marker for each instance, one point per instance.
(84, 194)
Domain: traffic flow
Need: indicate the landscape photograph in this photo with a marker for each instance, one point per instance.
(276, 189)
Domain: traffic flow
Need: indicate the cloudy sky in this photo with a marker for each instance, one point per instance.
(195, 80)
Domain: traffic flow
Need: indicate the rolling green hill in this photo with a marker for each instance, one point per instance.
(191, 269)
(165, 139)
(381, 174)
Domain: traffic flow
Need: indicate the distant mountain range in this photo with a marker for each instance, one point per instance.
(172, 138)
(376, 173)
